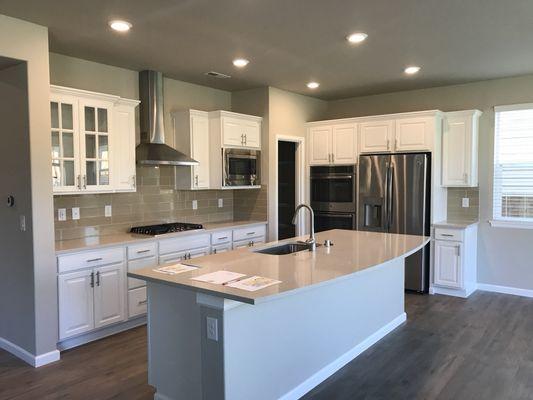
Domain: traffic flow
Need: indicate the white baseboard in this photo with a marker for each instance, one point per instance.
(26, 356)
(340, 362)
(505, 289)
(463, 293)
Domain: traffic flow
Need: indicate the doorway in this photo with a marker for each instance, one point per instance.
(286, 189)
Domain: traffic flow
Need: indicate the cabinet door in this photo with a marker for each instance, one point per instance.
(344, 144)
(414, 134)
(200, 151)
(320, 145)
(456, 150)
(232, 132)
(95, 144)
(65, 144)
(252, 134)
(448, 268)
(109, 294)
(375, 137)
(123, 138)
(76, 314)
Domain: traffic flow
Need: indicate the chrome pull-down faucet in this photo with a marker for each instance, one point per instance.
(311, 241)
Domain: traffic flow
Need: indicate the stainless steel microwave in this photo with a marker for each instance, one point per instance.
(241, 167)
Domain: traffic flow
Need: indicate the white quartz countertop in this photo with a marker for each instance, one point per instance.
(458, 224)
(352, 252)
(95, 242)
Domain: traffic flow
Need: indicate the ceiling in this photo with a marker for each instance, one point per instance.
(290, 42)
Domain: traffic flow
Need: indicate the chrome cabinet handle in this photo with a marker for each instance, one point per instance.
(395, 143)
(446, 234)
(143, 302)
(333, 157)
(242, 139)
(214, 251)
(92, 279)
(388, 144)
(85, 181)
(79, 182)
(95, 259)
(98, 278)
(143, 251)
(196, 180)
(245, 139)
(134, 181)
(458, 251)
(250, 233)
(222, 238)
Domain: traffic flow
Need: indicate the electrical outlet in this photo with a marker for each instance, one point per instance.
(212, 328)
(466, 202)
(108, 211)
(220, 203)
(195, 204)
(61, 214)
(75, 213)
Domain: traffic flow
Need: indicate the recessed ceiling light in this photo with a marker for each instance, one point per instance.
(313, 85)
(411, 70)
(240, 62)
(357, 37)
(119, 25)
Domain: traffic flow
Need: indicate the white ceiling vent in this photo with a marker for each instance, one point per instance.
(218, 75)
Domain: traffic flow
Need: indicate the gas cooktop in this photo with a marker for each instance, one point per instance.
(161, 229)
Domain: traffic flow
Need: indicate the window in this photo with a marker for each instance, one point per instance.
(513, 166)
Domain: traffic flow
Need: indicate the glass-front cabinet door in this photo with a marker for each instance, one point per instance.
(65, 166)
(95, 128)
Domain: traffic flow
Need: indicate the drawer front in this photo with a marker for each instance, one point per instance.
(174, 245)
(249, 232)
(141, 263)
(221, 237)
(142, 250)
(455, 235)
(248, 242)
(137, 302)
(90, 259)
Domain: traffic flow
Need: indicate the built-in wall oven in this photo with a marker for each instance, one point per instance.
(241, 167)
(333, 197)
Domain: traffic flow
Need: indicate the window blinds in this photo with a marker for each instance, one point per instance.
(513, 163)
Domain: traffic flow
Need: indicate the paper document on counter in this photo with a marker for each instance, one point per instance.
(253, 283)
(175, 269)
(219, 277)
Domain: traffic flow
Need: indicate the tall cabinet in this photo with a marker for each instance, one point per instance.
(93, 142)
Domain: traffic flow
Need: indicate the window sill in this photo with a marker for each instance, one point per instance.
(511, 224)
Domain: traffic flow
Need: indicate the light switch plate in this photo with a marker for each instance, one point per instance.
(195, 204)
(220, 203)
(212, 328)
(108, 211)
(61, 214)
(75, 213)
(466, 202)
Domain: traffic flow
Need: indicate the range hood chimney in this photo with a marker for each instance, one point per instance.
(153, 150)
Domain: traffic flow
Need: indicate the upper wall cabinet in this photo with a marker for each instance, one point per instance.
(460, 148)
(191, 136)
(93, 142)
(376, 136)
(333, 144)
(237, 130)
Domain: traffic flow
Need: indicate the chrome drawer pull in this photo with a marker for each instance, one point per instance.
(250, 233)
(95, 259)
(142, 303)
(222, 238)
(446, 234)
(143, 251)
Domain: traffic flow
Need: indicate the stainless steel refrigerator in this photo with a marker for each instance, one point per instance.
(394, 196)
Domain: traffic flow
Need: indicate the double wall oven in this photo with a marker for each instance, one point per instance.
(333, 197)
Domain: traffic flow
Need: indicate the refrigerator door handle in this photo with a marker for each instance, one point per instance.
(386, 199)
(390, 196)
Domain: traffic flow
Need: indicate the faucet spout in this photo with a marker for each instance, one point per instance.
(311, 241)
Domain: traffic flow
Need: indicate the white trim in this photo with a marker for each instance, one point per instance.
(499, 223)
(462, 293)
(340, 362)
(55, 89)
(369, 118)
(505, 289)
(513, 107)
(26, 356)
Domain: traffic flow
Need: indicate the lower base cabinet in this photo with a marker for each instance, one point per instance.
(91, 299)
(137, 302)
(248, 242)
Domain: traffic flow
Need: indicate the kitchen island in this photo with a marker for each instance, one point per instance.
(211, 341)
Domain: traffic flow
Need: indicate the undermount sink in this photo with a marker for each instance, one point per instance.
(282, 249)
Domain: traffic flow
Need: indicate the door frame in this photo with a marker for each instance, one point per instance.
(300, 183)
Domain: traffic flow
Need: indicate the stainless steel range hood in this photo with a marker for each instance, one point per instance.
(153, 150)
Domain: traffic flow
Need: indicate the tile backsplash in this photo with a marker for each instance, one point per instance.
(250, 204)
(455, 209)
(155, 201)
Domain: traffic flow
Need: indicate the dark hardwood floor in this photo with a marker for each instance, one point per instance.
(480, 348)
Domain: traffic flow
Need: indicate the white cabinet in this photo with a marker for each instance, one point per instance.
(414, 134)
(460, 148)
(93, 142)
(455, 260)
(76, 312)
(376, 136)
(236, 130)
(333, 144)
(91, 298)
(191, 135)
(221, 248)
(448, 264)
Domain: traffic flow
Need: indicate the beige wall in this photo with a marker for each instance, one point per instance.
(29, 42)
(504, 255)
